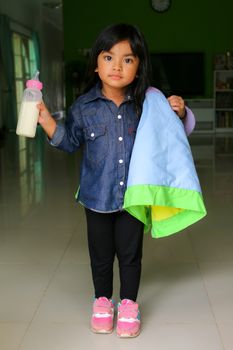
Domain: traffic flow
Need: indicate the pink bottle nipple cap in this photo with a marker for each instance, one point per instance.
(34, 84)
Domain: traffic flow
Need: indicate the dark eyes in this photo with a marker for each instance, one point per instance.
(107, 58)
(126, 60)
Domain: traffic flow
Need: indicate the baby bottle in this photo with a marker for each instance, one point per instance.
(29, 113)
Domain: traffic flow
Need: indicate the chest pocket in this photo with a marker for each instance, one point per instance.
(96, 138)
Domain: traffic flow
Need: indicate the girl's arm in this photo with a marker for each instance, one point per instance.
(184, 113)
(67, 137)
(189, 121)
(46, 120)
(178, 105)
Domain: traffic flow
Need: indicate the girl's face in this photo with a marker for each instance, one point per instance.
(117, 68)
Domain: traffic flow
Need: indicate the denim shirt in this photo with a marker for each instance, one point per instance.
(107, 133)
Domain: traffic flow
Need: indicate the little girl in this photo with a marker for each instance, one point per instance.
(104, 119)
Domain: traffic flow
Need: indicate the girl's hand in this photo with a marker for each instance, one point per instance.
(44, 114)
(178, 105)
(46, 120)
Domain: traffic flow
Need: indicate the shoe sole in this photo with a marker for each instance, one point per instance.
(101, 331)
(126, 335)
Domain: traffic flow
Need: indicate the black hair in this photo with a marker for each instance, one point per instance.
(110, 36)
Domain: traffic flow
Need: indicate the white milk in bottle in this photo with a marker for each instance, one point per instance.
(29, 113)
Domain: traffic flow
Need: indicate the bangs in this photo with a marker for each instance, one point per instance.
(116, 34)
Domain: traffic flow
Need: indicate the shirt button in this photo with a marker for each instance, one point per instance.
(92, 134)
(119, 116)
(121, 161)
(121, 183)
(120, 138)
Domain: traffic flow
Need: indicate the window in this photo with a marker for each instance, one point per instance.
(24, 63)
(30, 168)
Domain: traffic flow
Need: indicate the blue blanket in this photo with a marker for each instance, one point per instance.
(163, 190)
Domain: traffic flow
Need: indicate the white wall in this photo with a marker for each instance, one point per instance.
(48, 23)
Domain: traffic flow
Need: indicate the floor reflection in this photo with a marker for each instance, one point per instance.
(213, 155)
(32, 174)
(30, 156)
(21, 176)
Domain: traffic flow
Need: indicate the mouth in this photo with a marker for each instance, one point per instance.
(115, 76)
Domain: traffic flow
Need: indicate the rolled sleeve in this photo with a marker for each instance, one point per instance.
(57, 136)
(189, 121)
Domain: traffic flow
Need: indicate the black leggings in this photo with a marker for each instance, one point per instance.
(111, 234)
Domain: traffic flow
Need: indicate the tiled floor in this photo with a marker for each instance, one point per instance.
(186, 293)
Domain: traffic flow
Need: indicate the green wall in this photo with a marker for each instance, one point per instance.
(194, 25)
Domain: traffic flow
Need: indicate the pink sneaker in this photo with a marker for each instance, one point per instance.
(128, 321)
(102, 317)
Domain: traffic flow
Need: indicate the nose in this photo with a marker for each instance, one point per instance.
(117, 65)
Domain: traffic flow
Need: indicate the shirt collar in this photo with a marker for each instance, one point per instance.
(95, 93)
